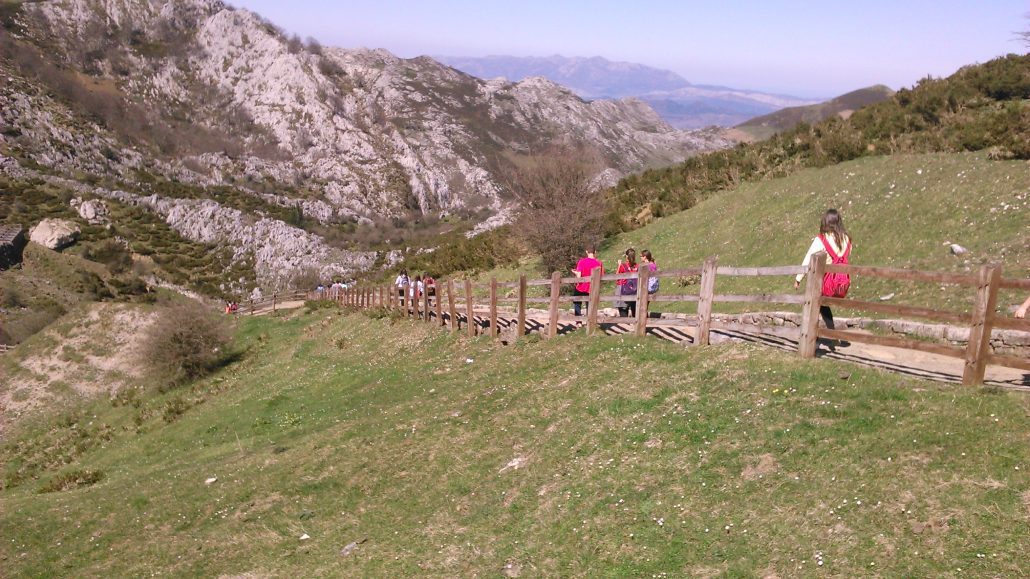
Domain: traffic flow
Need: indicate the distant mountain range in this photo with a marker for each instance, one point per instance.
(768, 125)
(680, 103)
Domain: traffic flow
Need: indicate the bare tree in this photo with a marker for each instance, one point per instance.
(1025, 34)
(561, 211)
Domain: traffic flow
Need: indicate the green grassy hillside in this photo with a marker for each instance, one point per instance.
(901, 211)
(981, 107)
(768, 125)
(445, 456)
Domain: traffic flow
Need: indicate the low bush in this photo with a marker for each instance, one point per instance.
(72, 480)
(187, 341)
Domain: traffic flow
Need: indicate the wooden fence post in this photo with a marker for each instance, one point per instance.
(469, 313)
(643, 298)
(810, 310)
(405, 301)
(705, 301)
(979, 346)
(438, 302)
(252, 306)
(494, 330)
(453, 311)
(416, 302)
(520, 329)
(552, 315)
(425, 303)
(594, 300)
(274, 296)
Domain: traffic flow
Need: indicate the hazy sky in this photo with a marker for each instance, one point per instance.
(801, 47)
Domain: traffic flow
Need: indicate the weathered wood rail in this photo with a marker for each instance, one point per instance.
(453, 303)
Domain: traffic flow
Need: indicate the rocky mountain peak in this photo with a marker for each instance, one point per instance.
(198, 92)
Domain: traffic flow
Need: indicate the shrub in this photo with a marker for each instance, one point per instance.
(72, 480)
(561, 211)
(112, 254)
(186, 342)
(10, 297)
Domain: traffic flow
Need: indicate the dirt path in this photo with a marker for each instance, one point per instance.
(265, 310)
(909, 362)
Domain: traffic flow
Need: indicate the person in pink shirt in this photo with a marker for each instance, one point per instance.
(582, 270)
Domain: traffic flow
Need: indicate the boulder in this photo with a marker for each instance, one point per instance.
(55, 233)
(94, 211)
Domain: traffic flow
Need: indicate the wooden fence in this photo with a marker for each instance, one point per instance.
(252, 307)
(454, 303)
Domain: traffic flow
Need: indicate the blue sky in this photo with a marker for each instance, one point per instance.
(801, 47)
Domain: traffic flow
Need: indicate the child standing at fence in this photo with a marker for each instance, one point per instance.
(628, 287)
(647, 260)
(833, 239)
(582, 270)
(401, 281)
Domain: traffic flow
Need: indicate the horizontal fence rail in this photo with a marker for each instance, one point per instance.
(453, 303)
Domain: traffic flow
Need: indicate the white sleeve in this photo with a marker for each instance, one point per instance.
(813, 249)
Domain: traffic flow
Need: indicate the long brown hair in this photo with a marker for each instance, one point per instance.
(631, 257)
(833, 223)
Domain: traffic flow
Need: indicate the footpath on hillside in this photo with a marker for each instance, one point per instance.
(901, 361)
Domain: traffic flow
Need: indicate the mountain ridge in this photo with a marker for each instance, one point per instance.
(151, 95)
(681, 103)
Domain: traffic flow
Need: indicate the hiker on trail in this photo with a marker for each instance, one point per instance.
(627, 287)
(1021, 310)
(401, 281)
(582, 270)
(430, 284)
(834, 241)
(416, 288)
(647, 260)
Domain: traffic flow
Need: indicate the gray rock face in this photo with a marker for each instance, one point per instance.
(370, 134)
(342, 135)
(55, 233)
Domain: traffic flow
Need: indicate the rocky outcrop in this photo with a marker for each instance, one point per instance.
(340, 136)
(93, 211)
(365, 134)
(55, 233)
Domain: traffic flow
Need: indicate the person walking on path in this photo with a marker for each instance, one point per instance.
(833, 239)
(582, 270)
(627, 287)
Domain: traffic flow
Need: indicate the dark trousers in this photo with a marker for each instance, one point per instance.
(576, 306)
(629, 310)
(827, 316)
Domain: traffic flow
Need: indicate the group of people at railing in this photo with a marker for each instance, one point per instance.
(624, 288)
(422, 284)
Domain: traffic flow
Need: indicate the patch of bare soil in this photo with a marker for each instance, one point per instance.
(83, 354)
(766, 466)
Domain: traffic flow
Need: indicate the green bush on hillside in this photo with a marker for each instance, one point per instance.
(187, 342)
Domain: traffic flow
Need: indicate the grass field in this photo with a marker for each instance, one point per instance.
(451, 456)
(901, 210)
